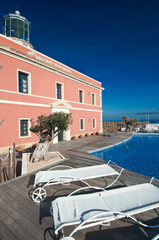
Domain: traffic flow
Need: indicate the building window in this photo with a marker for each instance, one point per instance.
(23, 82)
(24, 127)
(93, 99)
(81, 124)
(94, 123)
(81, 96)
(58, 91)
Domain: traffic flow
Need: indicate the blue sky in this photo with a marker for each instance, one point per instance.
(115, 42)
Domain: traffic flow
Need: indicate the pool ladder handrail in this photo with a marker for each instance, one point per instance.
(122, 141)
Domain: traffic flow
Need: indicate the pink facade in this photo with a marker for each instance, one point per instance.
(32, 84)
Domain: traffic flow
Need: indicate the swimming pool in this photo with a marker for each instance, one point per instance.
(140, 154)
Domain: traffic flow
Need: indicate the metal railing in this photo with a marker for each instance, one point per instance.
(126, 146)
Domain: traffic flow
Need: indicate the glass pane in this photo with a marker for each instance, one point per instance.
(81, 123)
(26, 26)
(7, 27)
(58, 89)
(94, 123)
(93, 99)
(26, 35)
(80, 96)
(14, 27)
(20, 29)
(23, 127)
(24, 90)
(23, 82)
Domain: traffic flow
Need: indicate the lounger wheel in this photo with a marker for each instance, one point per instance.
(39, 194)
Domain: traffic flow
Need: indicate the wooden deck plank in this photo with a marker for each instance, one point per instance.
(20, 207)
(6, 232)
(21, 218)
(10, 221)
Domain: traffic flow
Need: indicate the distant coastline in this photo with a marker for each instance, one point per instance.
(141, 120)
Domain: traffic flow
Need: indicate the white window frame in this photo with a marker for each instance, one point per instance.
(29, 81)
(29, 133)
(94, 99)
(82, 95)
(94, 119)
(83, 124)
(62, 90)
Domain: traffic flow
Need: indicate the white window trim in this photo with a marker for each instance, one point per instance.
(82, 95)
(83, 124)
(95, 123)
(29, 133)
(94, 99)
(62, 90)
(29, 81)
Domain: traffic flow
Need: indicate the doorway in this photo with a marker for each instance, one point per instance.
(60, 136)
(61, 106)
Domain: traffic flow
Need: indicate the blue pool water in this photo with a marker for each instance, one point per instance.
(142, 155)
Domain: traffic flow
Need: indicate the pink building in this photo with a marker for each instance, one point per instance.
(32, 84)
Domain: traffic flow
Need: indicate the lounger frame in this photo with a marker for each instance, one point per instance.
(39, 193)
(98, 220)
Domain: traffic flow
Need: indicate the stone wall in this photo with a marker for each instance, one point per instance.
(118, 125)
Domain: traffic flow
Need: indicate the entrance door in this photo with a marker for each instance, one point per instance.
(56, 107)
(60, 136)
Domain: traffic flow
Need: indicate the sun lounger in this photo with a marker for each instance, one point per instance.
(87, 210)
(52, 177)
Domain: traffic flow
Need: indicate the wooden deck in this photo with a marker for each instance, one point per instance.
(21, 218)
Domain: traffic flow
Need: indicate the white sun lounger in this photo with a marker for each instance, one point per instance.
(102, 207)
(52, 177)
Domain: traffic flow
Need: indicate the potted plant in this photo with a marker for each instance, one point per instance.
(87, 134)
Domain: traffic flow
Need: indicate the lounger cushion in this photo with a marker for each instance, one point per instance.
(129, 200)
(74, 174)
